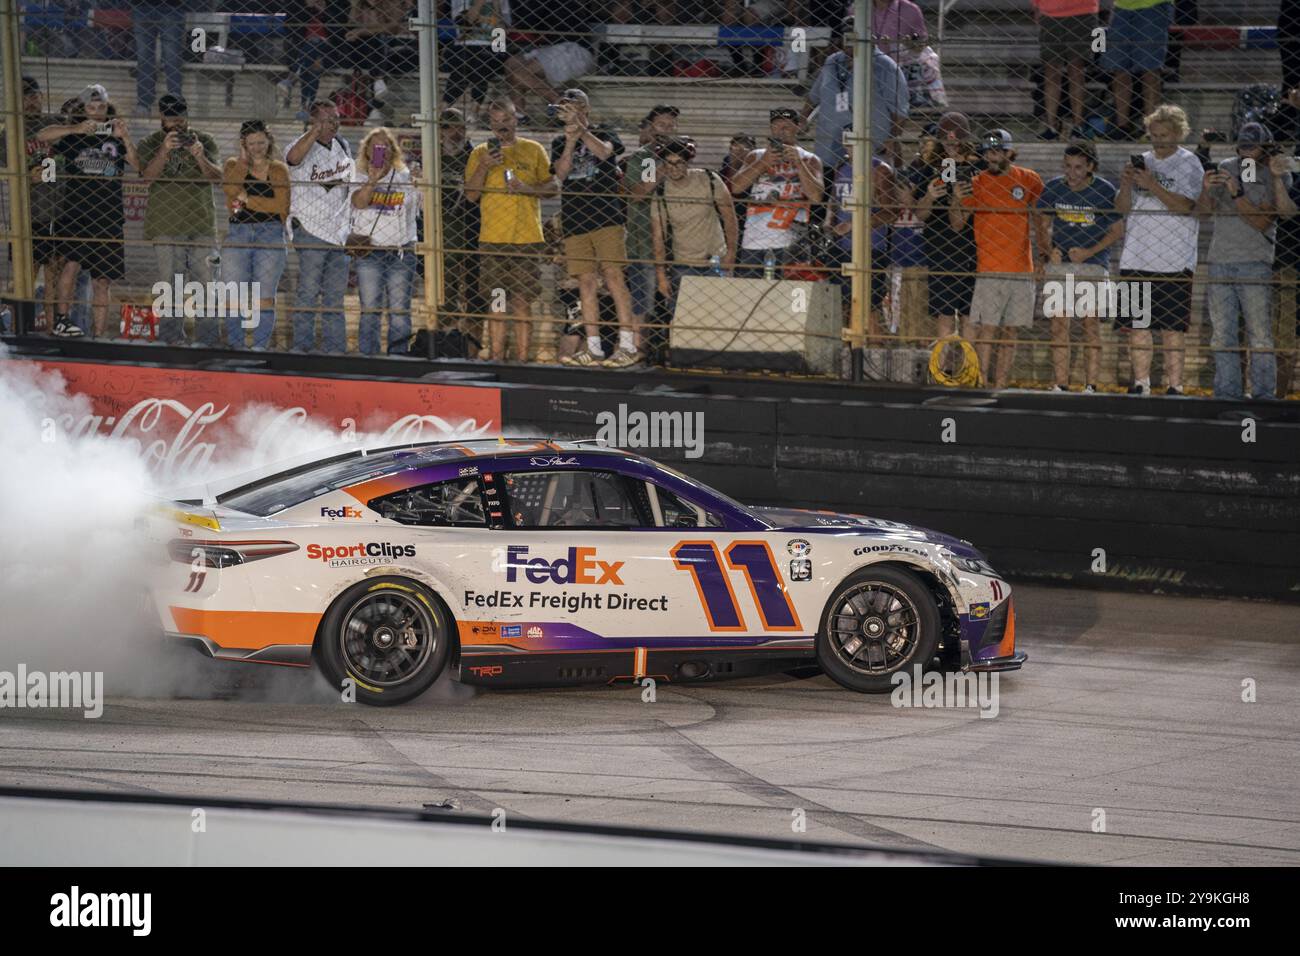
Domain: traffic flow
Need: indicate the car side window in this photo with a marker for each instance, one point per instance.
(571, 499)
(454, 503)
(675, 512)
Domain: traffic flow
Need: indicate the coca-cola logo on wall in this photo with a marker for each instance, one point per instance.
(180, 419)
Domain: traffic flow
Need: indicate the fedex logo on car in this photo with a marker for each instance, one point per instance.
(344, 512)
(579, 566)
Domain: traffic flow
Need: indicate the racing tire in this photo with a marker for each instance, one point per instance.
(391, 636)
(879, 621)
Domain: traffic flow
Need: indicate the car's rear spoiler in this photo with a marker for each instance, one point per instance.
(188, 512)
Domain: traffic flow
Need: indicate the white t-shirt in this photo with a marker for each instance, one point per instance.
(495, 14)
(320, 189)
(1155, 239)
(777, 203)
(392, 211)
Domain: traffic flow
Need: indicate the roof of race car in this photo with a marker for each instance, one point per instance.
(368, 473)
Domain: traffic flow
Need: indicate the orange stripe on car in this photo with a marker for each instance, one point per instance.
(247, 629)
(1008, 645)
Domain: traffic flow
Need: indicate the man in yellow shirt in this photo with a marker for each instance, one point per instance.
(508, 177)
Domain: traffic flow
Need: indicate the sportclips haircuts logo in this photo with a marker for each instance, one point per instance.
(580, 566)
(359, 555)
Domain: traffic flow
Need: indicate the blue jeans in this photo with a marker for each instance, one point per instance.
(152, 21)
(1240, 290)
(384, 281)
(323, 277)
(254, 252)
(309, 52)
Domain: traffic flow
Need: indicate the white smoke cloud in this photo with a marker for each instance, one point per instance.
(74, 567)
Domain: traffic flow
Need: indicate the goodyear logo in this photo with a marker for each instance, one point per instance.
(578, 566)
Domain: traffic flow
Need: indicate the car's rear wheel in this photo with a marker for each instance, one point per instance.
(390, 636)
(879, 621)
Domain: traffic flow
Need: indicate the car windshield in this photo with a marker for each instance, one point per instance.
(273, 494)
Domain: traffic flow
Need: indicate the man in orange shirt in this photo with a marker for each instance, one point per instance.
(1002, 199)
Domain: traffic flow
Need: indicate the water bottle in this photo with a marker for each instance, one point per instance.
(769, 265)
(715, 264)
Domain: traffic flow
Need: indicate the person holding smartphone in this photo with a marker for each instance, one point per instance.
(1243, 195)
(385, 205)
(93, 214)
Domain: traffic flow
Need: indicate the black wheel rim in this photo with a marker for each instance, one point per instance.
(874, 628)
(387, 638)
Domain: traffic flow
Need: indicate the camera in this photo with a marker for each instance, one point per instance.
(186, 138)
(104, 129)
(1213, 136)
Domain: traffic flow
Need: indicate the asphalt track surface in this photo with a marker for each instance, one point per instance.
(1130, 704)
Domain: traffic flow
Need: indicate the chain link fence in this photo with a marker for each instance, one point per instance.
(1060, 194)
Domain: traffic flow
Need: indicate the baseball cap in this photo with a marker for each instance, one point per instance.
(95, 91)
(575, 95)
(173, 105)
(995, 139)
(451, 117)
(661, 109)
(30, 85)
(1254, 134)
(744, 138)
(784, 113)
(955, 123)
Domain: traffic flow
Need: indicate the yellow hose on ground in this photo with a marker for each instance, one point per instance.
(968, 375)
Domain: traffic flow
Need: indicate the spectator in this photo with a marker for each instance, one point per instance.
(563, 54)
(643, 173)
(831, 96)
(693, 221)
(93, 215)
(179, 164)
(650, 12)
(886, 204)
(898, 26)
(307, 26)
(508, 177)
(1160, 242)
(593, 213)
(755, 13)
(385, 204)
(256, 187)
(368, 47)
(741, 145)
(472, 62)
(1079, 227)
(1001, 198)
(1287, 266)
(1136, 42)
(948, 237)
(1244, 195)
(41, 131)
(460, 218)
(321, 172)
(784, 181)
(152, 20)
(1064, 40)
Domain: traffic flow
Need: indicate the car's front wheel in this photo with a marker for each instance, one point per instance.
(389, 636)
(879, 621)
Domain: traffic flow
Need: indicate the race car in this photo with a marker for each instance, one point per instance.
(548, 563)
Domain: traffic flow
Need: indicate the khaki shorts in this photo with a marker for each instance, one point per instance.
(1003, 300)
(514, 267)
(1085, 274)
(583, 253)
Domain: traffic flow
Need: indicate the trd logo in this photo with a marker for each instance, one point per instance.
(344, 512)
(579, 567)
(494, 671)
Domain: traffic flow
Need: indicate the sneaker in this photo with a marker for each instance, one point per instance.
(1060, 388)
(1174, 390)
(64, 328)
(584, 358)
(376, 118)
(1138, 389)
(285, 86)
(1049, 133)
(1090, 389)
(623, 358)
(380, 87)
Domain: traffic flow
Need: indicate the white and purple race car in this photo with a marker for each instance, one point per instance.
(546, 563)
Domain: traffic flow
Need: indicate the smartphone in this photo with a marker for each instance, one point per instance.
(1137, 161)
(776, 144)
(185, 137)
(494, 145)
(104, 129)
(378, 154)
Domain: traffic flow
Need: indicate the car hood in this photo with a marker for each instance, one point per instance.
(803, 519)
